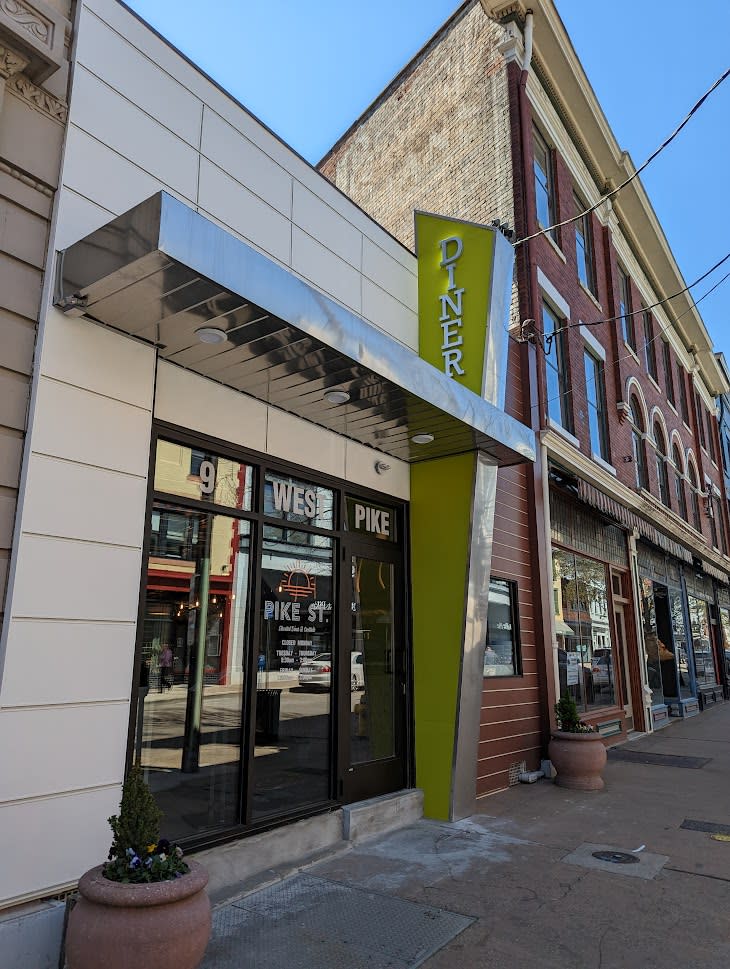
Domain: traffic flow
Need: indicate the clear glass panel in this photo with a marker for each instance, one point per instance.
(569, 628)
(651, 641)
(725, 621)
(191, 473)
(500, 654)
(372, 677)
(298, 501)
(378, 521)
(699, 618)
(295, 672)
(679, 630)
(193, 660)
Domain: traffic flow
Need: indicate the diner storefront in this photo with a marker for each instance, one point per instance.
(272, 647)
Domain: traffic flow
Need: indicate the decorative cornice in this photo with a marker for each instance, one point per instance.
(29, 20)
(38, 98)
(11, 62)
(41, 187)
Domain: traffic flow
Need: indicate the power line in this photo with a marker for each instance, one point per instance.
(608, 195)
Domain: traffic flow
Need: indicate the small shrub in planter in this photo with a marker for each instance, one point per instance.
(146, 906)
(576, 750)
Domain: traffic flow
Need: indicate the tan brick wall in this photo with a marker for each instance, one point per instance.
(441, 142)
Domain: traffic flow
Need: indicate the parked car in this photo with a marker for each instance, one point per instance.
(602, 671)
(317, 672)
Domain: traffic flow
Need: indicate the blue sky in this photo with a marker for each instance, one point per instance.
(308, 70)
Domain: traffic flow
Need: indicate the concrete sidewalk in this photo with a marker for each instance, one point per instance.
(509, 888)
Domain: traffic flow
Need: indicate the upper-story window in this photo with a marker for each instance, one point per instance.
(700, 421)
(624, 309)
(694, 496)
(650, 346)
(720, 522)
(546, 208)
(679, 482)
(558, 386)
(596, 397)
(668, 372)
(683, 401)
(584, 246)
(660, 443)
(711, 435)
(637, 442)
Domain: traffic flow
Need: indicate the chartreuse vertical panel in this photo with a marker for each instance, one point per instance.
(440, 513)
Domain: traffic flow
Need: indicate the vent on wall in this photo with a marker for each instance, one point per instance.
(609, 728)
(514, 772)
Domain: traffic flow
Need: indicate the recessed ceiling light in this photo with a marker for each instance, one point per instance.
(337, 396)
(211, 334)
(422, 438)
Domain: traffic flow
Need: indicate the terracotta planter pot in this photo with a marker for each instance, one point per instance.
(579, 759)
(163, 925)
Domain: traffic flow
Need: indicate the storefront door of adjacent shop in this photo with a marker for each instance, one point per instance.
(372, 734)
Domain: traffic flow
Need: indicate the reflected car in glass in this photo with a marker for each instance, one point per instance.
(317, 672)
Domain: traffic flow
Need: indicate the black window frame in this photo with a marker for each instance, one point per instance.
(625, 309)
(683, 398)
(661, 463)
(679, 481)
(513, 589)
(558, 410)
(638, 444)
(547, 185)
(590, 358)
(650, 346)
(668, 373)
(584, 248)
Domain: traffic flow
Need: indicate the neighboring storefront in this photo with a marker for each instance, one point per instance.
(594, 627)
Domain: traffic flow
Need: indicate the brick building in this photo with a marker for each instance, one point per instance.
(616, 540)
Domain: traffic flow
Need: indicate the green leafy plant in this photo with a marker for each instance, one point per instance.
(569, 721)
(137, 853)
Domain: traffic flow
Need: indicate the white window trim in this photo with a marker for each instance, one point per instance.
(604, 464)
(552, 294)
(592, 342)
(558, 428)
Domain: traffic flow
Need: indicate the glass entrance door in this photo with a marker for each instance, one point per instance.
(373, 673)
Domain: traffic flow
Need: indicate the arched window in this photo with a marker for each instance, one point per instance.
(637, 442)
(661, 464)
(678, 482)
(694, 496)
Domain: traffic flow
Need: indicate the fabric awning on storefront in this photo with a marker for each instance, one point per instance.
(162, 271)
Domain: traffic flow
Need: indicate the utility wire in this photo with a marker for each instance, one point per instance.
(608, 195)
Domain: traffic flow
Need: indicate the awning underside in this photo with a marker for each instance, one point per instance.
(161, 272)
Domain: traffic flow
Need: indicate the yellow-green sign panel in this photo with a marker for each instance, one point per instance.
(455, 268)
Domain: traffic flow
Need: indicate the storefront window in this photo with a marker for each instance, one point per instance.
(664, 633)
(699, 617)
(193, 660)
(296, 671)
(298, 501)
(200, 474)
(679, 628)
(585, 653)
(501, 653)
(725, 623)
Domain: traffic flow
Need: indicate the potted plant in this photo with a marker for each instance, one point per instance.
(146, 906)
(576, 750)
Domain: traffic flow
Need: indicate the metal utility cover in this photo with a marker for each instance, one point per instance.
(307, 922)
(648, 865)
(162, 271)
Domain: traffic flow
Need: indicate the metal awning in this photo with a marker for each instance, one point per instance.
(161, 271)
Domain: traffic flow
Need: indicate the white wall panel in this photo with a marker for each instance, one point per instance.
(322, 222)
(114, 121)
(191, 401)
(244, 212)
(246, 162)
(72, 423)
(326, 271)
(360, 469)
(70, 500)
(109, 56)
(52, 841)
(60, 579)
(52, 749)
(390, 275)
(389, 314)
(49, 662)
(103, 175)
(78, 217)
(80, 352)
(293, 439)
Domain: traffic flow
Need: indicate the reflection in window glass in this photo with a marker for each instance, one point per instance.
(501, 653)
(651, 641)
(725, 622)
(295, 674)
(298, 501)
(195, 473)
(372, 676)
(679, 629)
(699, 617)
(585, 652)
(193, 660)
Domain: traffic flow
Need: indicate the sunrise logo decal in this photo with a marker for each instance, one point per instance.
(298, 584)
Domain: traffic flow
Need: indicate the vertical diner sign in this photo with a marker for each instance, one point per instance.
(455, 269)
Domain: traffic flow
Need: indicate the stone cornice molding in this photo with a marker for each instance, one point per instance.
(37, 30)
(38, 98)
(11, 62)
(41, 187)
